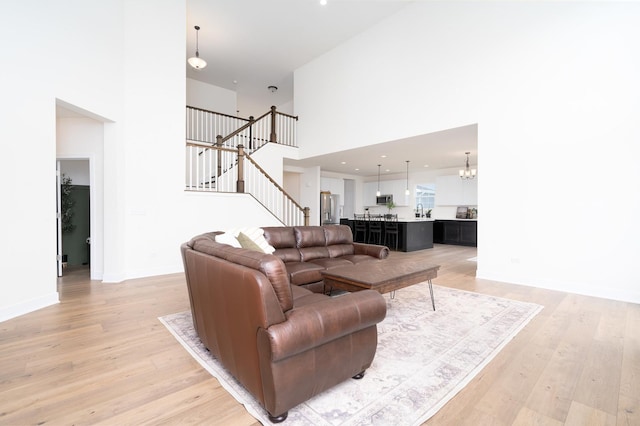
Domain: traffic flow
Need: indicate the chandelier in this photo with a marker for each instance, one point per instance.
(467, 173)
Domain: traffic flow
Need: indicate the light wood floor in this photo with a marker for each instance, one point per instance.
(102, 357)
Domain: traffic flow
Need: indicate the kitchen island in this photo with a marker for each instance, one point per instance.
(413, 234)
(463, 232)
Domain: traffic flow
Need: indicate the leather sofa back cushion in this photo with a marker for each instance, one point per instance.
(271, 266)
(284, 241)
(280, 236)
(339, 240)
(311, 242)
(338, 234)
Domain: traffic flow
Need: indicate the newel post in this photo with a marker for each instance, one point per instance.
(273, 137)
(251, 121)
(240, 182)
(219, 145)
(306, 211)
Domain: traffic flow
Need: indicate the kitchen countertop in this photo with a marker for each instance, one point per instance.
(431, 219)
(465, 220)
(425, 219)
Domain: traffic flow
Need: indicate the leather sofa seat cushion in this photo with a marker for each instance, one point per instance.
(338, 250)
(328, 262)
(310, 253)
(304, 272)
(302, 296)
(288, 254)
(358, 258)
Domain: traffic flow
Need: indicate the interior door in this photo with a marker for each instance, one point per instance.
(58, 219)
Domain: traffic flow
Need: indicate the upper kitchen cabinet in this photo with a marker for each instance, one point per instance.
(454, 191)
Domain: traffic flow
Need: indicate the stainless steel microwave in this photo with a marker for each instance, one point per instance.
(383, 200)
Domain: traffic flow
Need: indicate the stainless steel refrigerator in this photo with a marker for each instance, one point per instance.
(329, 205)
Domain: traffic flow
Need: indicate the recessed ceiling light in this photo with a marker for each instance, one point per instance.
(357, 170)
(323, 2)
(383, 156)
(387, 170)
(343, 162)
(426, 165)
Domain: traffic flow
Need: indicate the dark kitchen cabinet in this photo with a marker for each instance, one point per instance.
(438, 232)
(460, 232)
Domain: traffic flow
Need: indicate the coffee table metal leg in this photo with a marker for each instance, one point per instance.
(433, 303)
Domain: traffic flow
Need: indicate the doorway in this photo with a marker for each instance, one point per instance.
(80, 146)
(74, 228)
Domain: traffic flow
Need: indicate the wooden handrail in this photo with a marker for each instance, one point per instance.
(244, 127)
(287, 115)
(248, 157)
(208, 145)
(217, 113)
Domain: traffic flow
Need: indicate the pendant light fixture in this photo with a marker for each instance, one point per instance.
(378, 191)
(467, 173)
(406, 191)
(195, 61)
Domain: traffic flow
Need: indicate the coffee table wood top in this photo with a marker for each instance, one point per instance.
(383, 276)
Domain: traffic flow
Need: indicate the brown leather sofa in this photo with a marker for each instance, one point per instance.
(283, 342)
(307, 250)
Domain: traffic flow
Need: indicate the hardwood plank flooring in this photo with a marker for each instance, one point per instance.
(101, 356)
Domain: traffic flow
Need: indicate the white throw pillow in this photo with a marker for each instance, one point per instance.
(228, 238)
(256, 235)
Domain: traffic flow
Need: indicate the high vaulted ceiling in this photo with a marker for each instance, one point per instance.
(252, 44)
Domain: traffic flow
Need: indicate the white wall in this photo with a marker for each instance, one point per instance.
(77, 46)
(269, 157)
(554, 90)
(127, 71)
(212, 98)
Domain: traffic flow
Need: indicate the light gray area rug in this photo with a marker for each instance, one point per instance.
(423, 358)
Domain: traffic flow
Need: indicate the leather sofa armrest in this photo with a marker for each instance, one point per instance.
(377, 251)
(312, 325)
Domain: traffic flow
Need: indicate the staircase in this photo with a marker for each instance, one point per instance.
(217, 163)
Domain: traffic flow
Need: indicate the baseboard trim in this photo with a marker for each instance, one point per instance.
(28, 306)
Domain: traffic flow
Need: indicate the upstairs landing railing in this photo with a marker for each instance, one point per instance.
(272, 126)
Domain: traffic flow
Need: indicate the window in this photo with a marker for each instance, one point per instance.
(426, 195)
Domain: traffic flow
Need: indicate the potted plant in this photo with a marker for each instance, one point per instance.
(428, 214)
(66, 208)
(390, 205)
(67, 202)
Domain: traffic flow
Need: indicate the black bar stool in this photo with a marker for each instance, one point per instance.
(391, 230)
(375, 229)
(360, 227)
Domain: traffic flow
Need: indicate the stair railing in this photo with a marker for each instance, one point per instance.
(217, 168)
(268, 192)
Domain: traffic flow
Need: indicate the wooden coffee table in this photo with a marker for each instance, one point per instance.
(384, 276)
